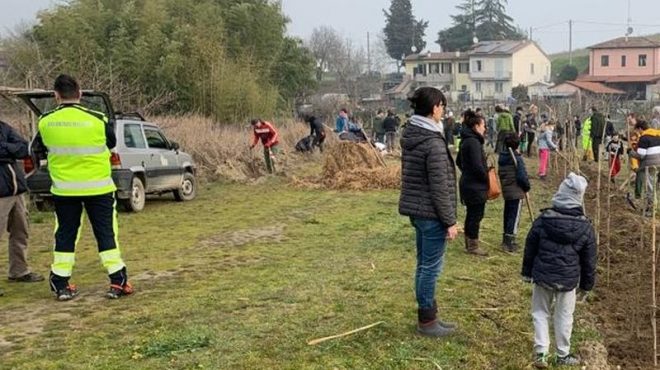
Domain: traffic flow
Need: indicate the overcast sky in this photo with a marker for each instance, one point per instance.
(354, 18)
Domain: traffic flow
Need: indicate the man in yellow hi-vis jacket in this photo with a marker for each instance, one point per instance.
(77, 141)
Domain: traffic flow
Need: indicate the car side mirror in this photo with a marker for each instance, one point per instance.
(174, 145)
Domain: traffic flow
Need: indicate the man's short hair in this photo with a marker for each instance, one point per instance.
(67, 87)
(254, 121)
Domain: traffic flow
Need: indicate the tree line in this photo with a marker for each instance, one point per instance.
(229, 59)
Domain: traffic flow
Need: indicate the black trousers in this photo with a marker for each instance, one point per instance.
(595, 148)
(101, 212)
(512, 210)
(474, 215)
(530, 142)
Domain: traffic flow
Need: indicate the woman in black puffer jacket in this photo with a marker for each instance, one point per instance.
(428, 197)
(474, 178)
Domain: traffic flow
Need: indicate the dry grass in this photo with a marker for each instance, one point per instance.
(352, 166)
(222, 151)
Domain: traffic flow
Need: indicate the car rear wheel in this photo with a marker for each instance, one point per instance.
(138, 197)
(188, 189)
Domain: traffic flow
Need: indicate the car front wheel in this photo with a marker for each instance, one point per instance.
(138, 197)
(188, 189)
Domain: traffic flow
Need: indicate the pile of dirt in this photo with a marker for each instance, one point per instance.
(353, 166)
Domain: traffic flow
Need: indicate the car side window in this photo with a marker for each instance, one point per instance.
(155, 139)
(133, 137)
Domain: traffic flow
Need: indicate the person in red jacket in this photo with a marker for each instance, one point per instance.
(265, 131)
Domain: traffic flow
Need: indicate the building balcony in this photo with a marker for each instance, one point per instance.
(492, 75)
(434, 79)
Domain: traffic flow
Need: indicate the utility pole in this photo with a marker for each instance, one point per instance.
(531, 37)
(368, 54)
(570, 42)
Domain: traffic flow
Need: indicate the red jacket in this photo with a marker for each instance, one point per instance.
(267, 134)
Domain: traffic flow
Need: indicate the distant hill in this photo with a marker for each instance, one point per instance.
(580, 59)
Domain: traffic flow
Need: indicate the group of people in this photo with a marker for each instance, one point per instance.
(76, 141)
(560, 249)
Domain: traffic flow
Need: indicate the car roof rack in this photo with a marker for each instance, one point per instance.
(130, 115)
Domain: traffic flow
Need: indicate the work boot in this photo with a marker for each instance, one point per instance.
(472, 247)
(509, 244)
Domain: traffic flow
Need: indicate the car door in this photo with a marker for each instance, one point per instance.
(134, 152)
(163, 167)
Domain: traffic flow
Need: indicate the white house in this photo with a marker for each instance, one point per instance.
(496, 67)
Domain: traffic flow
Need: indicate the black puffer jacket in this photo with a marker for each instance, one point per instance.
(513, 176)
(428, 181)
(560, 251)
(474, 170)
(12, 148)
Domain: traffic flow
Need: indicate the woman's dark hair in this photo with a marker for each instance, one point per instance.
(498, 109)
(512, 141)
(425, 98)
(471, 119)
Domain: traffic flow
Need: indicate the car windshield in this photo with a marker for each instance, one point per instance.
(48, 103)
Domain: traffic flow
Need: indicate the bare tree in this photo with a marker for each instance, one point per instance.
(326, 44)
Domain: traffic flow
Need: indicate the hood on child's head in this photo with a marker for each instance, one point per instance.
(571, 192)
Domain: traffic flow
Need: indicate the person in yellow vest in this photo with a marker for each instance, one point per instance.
(586, 140)
(77, 142)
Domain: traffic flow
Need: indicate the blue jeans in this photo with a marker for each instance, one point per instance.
(431, 242)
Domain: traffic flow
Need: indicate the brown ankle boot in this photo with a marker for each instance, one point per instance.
(472, 247)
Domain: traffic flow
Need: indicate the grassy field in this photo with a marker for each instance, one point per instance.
(244, 276)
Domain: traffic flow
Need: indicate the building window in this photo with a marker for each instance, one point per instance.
(499, 87)
(478, 86)
(477, 66)
(463, 67)
(531, 68)
(434, 68)
(463, 87)
(446, 68)
(604, 60)
(642, 60)
(623, 61)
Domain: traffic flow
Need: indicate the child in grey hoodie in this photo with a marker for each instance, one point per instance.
(545, 146)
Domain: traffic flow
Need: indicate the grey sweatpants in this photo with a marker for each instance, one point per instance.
(542, 299)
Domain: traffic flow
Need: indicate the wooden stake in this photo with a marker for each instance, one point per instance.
(653, 270)
(321, 340)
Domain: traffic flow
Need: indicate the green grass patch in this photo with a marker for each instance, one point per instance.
(244, 276)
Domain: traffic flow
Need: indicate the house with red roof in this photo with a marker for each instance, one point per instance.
(628, 64)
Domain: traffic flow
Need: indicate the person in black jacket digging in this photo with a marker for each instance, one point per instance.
(560, 255)
(474, 178)
(428, 197)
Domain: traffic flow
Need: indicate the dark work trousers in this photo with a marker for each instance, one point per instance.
(595, 148)
(318, 141)
(101, 212)
(512, 212)
(473, 217)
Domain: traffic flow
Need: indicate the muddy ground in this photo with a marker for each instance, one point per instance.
(623, 300)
